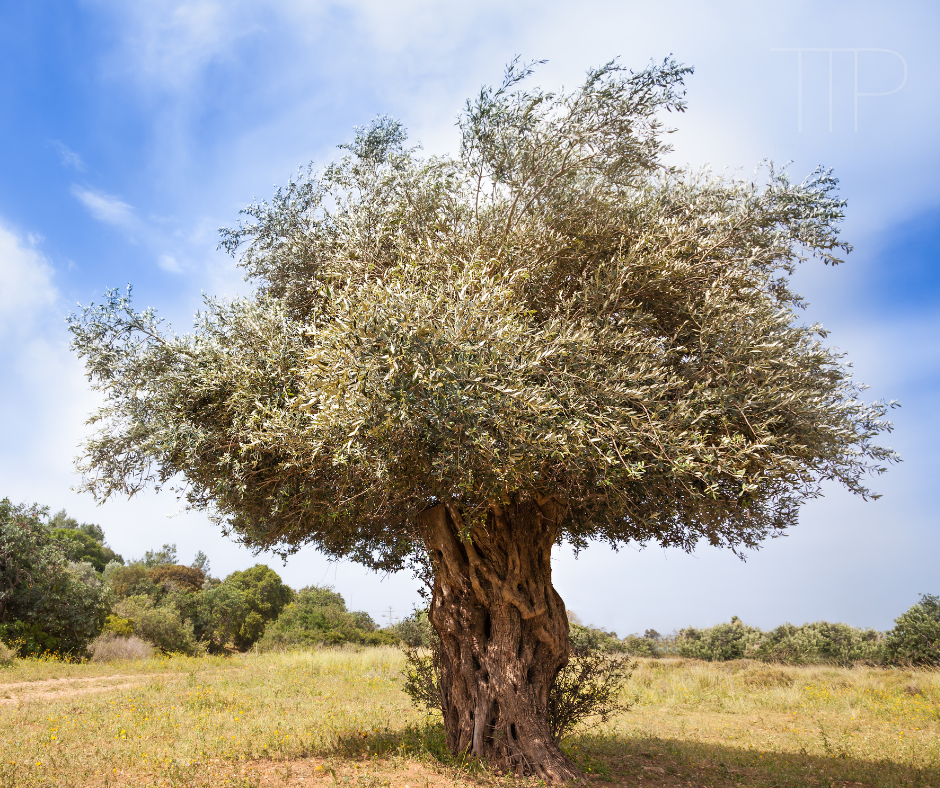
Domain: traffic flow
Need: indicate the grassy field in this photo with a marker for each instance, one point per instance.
(331, 717)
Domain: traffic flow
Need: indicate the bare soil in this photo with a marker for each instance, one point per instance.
(53, 689)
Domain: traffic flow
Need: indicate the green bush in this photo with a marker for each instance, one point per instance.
(82, 541)
(591, 638)
(641, 646)
(718, 643)
(220, 614)
(264, 595)
(415, 631)
(116, 625)
(318, 616)
(135, 580)
(159, 625)
(78, 546)
(819, 643)
(590, 686)
(915, 639)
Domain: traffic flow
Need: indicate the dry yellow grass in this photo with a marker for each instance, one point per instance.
(336, 716)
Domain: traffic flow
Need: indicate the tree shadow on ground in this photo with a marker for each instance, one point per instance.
(668, 763)
(657, 761)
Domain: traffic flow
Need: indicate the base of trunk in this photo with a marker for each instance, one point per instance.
(504, 635)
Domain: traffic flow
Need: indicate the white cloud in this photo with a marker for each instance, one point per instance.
(166, 43)
(105, 207)
(169, 263)
(68, 157)
(26, 286)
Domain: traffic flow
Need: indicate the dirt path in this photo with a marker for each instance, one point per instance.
(52, 689)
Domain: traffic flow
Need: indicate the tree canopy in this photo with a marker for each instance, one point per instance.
(553, 312)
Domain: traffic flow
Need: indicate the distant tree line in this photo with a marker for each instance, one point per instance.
(914, 640)
(62, 589)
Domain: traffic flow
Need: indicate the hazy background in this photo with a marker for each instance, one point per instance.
(130, 132)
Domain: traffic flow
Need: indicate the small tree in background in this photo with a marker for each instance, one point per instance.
(462, 361)
(82, 541)
(165, 556)
(61, 519)
(134, 580)
(201, 562)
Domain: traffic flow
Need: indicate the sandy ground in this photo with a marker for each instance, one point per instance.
(51, 689)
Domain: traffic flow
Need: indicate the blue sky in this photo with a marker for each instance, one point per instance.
(131, 132)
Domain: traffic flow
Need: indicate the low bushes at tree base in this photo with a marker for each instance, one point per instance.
(589, 687)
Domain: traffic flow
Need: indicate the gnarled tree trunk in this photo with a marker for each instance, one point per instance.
(504, 634)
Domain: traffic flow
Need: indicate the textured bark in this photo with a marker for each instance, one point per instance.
(504, 634)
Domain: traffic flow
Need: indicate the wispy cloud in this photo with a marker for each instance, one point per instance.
(105, 207)
(169, 263)
(26, 286)
(68, 157)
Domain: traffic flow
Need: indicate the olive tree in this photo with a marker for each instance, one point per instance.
(463, 361)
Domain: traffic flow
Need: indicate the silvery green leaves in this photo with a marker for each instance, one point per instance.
(551, 314)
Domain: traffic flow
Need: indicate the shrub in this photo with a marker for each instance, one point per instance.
(589, 686)
(594, 639)
(7, 654)
(110, 647)
(318, 616)
(819, 643)
(110, 569)
(915, 639)
(78, 546)
(264, 590)
(264, 595)
(220, 613)
(415, 631)
(721, 642)
(82, 541)
(159, 625)
(641, 646)
(118, 626)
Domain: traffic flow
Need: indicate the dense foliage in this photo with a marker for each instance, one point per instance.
(552, 312)
(915, 639)
(51, 602)
(47, 605)
(318, 616)
(83, 541)
(816, 643)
